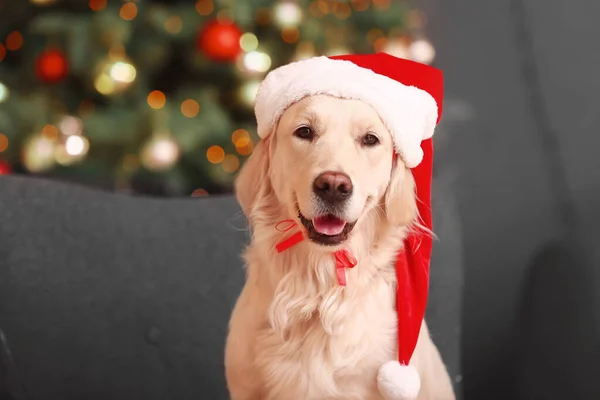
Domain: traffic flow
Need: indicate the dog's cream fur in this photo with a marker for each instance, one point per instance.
(295, 333)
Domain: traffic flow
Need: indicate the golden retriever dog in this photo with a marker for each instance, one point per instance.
(295, 333)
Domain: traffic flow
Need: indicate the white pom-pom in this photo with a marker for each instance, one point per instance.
(398, 382)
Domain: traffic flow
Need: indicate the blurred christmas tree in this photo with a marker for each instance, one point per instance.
(156, 97)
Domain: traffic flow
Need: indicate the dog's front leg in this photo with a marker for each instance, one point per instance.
(243, 379)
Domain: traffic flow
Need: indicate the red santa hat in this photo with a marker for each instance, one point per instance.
(408, 98)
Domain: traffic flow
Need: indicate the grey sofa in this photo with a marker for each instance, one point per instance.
(107, 296)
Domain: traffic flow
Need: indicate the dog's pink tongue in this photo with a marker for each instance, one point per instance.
(329, 225)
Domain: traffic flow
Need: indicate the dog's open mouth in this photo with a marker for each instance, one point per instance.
(327, 229)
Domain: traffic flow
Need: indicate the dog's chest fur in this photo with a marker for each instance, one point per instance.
(320, 338)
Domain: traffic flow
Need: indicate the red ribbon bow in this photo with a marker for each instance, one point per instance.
(343, 258)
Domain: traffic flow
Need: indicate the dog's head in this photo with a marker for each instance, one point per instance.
(328, 164)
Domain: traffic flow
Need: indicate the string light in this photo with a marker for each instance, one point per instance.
(3, 142)
(2, 52)
(4, 93)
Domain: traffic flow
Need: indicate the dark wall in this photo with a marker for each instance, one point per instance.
(528, 70)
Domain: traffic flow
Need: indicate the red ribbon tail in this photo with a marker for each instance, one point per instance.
(289, 242)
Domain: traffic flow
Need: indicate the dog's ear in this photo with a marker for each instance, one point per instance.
(253, 179)
(400, 198)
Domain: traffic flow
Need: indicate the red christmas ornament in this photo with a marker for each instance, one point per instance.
(5, 168)
(51, 66)
(220, 41)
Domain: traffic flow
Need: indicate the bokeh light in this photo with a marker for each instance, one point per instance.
(39, 153)
(199, 193)
(205, 7)
(342, 10)
(287, 14)
(290, 35)
(14, 41)
(360, 5)
(256, 61)
(3, 142)
(248, 42)
(230, 163)
(115, 77)
(215, 154)
(50, 132)
(160, 153)
(247, 92)
(190, 108)
(76, 146)
(97, 5)
(422, 51)
(4, 93)
(128, 11)
(156, 99)
(174, 24)
(70, 125)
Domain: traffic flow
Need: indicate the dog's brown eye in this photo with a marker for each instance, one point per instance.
(304, 133)
(369, 140)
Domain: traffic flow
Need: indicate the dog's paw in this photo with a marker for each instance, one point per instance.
(398, 382)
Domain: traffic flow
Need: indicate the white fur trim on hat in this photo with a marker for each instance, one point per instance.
(398, 382)
(409, 113)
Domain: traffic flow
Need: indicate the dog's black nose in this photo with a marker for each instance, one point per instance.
(332, 187)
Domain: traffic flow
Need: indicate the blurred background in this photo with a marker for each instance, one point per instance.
(155, 98)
